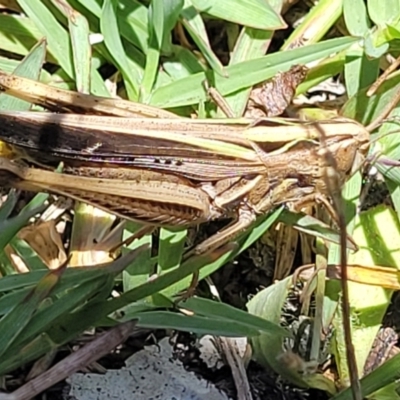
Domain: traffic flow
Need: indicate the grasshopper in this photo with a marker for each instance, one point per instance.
(169, 200)
(168, 171)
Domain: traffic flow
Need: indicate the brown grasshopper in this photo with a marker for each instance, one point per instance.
(146, 171)
(153, 167)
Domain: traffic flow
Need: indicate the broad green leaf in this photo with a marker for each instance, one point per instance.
(369, 303)
(355, 16)
(223, 311)
(385, 12)
(360, 71)
(267, 349)
(252, 13)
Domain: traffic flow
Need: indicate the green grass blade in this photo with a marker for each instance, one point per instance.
(245, 74)
(10, 227)
(7, 207)
(13, 323)
(156, 37)
(56, 36)
(29, 67)
(81, 48)
(112, 39)
(381, 377)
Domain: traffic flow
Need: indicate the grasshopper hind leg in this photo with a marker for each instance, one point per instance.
(245, 218)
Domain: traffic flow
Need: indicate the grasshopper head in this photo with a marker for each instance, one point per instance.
(348, 150)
